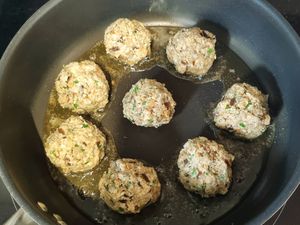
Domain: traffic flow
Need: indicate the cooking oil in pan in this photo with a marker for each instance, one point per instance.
(160, 147)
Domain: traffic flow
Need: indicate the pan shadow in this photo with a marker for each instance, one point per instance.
(221, 32)
(266, 82)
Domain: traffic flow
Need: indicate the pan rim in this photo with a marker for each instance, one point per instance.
(271, 209)
(33, 212)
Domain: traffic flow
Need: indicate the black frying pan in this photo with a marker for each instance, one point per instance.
(62, 30)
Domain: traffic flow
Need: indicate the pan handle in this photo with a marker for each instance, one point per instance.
(20, 218)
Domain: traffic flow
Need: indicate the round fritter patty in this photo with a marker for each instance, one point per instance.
(243, 110)
(127, 40)
(205, 167)
(149, 104)
(128, 186)
(76, 145)
(192, 51)
(82, 87)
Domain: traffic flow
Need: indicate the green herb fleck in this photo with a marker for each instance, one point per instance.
(206, 173)
(135, 89)
(191, 156)
(242, 125)
(75, 106)
(85, 125)
(249, 104)
(194, 172)
(76, 145)
(150, 121)
(144, 102)
(133, 107)
(128, 185)
(76, 81)
(82, 149)
(210, 50)
(99, 145)
(227, 107)
(222, 177)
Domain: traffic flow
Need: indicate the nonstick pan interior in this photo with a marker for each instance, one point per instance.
(160, 147)
(25, 89)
